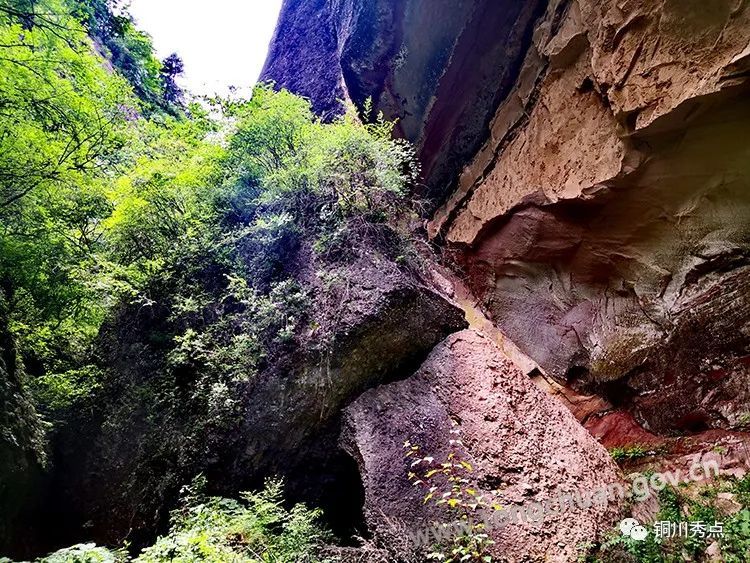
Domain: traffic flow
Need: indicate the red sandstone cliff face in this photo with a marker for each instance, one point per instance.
(602, 214)
(605, 222)
(589, 163)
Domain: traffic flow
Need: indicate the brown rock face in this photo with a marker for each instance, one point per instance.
(520, 441)
(594, 169)
(440, 67)
(605, 223)
(590, 167)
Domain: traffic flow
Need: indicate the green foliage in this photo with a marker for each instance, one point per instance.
(255, 529)
(275, 190)
(93, 197)
(162, 196)
(63, 122)
(58, 392)
(131, 52)
(115, 205)
(200, 243)
(735, 547)
(227, 340)
(675, 506)
(86, 553)
(742, 489)
(82, 553)
(318, 172)
(448, 484)
(63, 118)
(650, 550)
(629, 453)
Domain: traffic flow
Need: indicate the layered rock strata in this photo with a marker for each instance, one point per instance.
(604, 226)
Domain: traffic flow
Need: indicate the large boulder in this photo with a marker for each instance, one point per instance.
(154, 430)
(521, 443)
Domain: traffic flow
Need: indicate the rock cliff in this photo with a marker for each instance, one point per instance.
(374, 320)
(442, 82)
(589, 174)
(605, 222)
(22, 441)
(587, 178)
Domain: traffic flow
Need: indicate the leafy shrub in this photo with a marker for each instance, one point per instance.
(742, 489)
(131, 52)
(60, 391)
(677, 507)
(628, 453)
(230, 338)
(319, 173)
(448, 484)
(190, 238)
(86, 553)
(255, 529)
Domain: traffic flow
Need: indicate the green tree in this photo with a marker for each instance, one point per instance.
(131, 51)
(63, 121)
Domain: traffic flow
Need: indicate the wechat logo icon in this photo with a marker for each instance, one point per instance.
(632, 528)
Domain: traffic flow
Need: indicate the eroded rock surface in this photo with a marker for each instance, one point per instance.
(521, 442)
(594, 171)
(372, 319)
(439, 67)
(605, 224)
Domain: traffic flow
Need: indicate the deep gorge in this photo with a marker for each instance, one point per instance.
(563, 283)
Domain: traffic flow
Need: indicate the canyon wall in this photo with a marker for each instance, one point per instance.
(586, 184)
(440, 68)
(588, 169)
(604, 224)
(590, 174)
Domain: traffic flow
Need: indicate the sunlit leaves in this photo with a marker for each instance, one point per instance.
(257, 528)
(62, 123)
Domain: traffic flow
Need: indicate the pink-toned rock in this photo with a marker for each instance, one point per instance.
(590, 164)
(619, 429)
(583, 406)
(521, 442)
(439, 67)
(604, 224)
